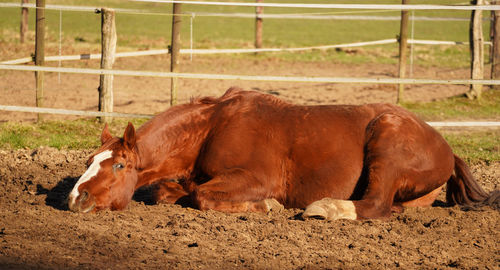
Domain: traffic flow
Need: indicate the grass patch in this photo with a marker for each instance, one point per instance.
(447, 56)
(459, 108)
(475, 147)
(78, 134)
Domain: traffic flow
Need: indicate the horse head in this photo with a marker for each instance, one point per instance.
(111, 176)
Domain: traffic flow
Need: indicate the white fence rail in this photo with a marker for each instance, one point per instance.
(334, 6)
(245, 77)
(308, 16)
(229, 51)
(488, 124)
(465, 124)
(71, 112)
(278, 5)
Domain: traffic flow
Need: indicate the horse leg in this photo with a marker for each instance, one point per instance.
(168, 192)
(235, 190)
(425, 201)
(405, 161)
(377, 201)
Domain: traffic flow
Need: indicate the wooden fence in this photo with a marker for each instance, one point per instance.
(109, 47)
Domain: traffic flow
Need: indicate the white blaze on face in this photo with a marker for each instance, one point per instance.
(91, 172)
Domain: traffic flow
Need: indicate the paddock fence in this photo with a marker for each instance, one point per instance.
(14, 64)
(235, 51)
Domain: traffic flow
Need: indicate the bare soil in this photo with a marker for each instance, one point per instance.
(38, 232)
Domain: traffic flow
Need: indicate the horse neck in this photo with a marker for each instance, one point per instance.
(169, 144)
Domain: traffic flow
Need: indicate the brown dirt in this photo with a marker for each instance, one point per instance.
(37, 230)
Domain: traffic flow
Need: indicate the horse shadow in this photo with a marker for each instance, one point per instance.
(145, 195)
(57, 197)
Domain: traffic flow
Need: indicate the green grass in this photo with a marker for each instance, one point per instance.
(139, 31)
(78, 134)
(233, 32)
(459, 108)
(475, 147)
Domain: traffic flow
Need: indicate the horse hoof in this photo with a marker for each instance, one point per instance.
(330, 209)
(315, 211)
(273, 205)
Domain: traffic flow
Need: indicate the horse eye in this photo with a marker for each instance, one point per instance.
(117, 166)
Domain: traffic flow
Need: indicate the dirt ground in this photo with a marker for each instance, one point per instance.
(38, 232)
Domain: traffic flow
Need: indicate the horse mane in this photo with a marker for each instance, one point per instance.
(230, 93)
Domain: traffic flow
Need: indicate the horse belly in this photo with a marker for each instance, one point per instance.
(327, 161)
(335, 179)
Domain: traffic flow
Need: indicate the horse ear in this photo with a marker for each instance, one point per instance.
(105, 135)
(129, 136)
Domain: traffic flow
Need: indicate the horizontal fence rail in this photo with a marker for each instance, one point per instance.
(307, 16)
(334, 6)
(326, 17)
(202, 51)
(279, 5)
(64, 8)
(71, 112)
(228, 51)
(246, 77)
(85, 56)
(465, 124)
(148, 116)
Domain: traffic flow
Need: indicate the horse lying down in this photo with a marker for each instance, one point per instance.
(252, 152)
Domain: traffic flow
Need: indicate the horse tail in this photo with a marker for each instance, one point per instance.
(462, 188)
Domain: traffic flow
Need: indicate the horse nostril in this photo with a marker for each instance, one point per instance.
(84, 202)
(84, 196)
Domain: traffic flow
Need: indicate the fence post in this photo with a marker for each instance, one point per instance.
(108, 49)
(495, 61)
(477, 50)
(258, 25)
(39, 52)
(492, 29)
(24, 22)
(403, 49)
(175, 50)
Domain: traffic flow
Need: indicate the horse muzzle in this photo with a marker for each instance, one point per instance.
(84, 203)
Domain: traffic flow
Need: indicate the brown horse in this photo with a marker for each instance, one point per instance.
(248, 151)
